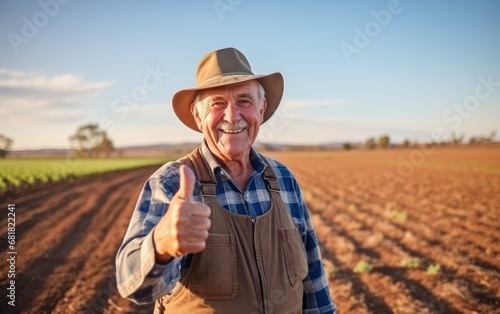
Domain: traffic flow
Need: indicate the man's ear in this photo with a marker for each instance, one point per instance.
(196, 115)
(263, 110)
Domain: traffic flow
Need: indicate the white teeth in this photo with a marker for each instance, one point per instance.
(232, 128)
(232, 131)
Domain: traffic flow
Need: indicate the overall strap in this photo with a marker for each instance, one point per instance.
(201, 170)
(270, 176)
(206, 179)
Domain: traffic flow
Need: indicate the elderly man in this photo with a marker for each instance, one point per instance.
(224, 229)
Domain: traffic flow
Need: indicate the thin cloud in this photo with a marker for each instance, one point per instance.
(315, 103)
(326, 119)
(66, 84)
(298, 110)
(28, 97)
(151, 108)
(12, 73)
(360, 122)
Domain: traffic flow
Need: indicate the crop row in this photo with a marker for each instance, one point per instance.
(15, 173)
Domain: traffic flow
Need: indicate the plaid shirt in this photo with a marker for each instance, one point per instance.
(142, 280)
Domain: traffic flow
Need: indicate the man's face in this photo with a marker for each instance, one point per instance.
(230, 118)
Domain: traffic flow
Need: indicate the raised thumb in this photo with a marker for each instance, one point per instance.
(186, 184)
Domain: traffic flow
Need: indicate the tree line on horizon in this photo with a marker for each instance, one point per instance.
(90, 141)
(384, 142)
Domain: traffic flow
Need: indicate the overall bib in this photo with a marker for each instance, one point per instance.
(249, 265)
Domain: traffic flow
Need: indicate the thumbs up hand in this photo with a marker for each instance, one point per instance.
(184, 228)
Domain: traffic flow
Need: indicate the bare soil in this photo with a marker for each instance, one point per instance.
(442, 210)
(67, 236)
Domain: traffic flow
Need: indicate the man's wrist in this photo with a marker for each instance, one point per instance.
(160, 257)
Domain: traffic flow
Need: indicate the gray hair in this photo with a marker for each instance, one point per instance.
(198, 100)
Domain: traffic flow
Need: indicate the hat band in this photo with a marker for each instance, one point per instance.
(227, 79)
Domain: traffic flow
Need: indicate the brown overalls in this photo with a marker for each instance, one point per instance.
(249, 265)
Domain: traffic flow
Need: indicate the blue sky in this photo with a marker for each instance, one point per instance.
(416, 69)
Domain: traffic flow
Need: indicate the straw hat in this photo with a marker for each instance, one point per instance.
(224, 67)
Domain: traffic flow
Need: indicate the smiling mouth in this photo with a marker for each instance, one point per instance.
(232, 131)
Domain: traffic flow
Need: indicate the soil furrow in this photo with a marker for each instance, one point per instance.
(357, 222)
(50, 267)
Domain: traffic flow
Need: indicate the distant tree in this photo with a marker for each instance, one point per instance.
(483, 139)
(90, 141)
(475, 140)
(406, 143)
(457, 139)
(5, 145)
(384, 141)
(347, 146)
(492, 136)
(370, 143)
(106, 146)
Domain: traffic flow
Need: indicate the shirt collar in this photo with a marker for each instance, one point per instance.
(255, 159)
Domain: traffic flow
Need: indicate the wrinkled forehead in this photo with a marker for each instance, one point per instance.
(249, 88)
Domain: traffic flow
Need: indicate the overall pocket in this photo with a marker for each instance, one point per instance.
(294, 254)
(214, 275)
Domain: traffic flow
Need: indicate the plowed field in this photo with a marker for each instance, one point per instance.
(400, 211)
(388, 208)
(67, 235)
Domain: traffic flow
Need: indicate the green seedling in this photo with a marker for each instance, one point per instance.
(362, 267)
(433, 269)
(412, 262)
(401, 216)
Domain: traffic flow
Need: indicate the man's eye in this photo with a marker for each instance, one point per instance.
(217, 104)
(244, 102)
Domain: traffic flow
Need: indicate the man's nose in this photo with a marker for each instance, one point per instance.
(232, 113)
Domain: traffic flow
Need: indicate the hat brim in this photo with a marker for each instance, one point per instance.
(273, 85)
